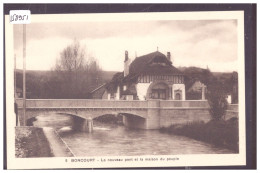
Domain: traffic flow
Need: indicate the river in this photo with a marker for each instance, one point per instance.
(116, 140)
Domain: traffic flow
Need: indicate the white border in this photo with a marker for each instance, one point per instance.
(185, 160)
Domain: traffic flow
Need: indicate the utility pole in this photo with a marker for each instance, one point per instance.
(24, 74)
(15, 77)
(15, 104)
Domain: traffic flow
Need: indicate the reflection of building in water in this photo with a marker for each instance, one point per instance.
(150, 76)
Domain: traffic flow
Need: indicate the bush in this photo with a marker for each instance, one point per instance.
(217, 101)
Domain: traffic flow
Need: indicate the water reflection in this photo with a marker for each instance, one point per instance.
(114, 140)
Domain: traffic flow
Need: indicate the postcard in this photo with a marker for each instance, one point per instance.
(124, 90)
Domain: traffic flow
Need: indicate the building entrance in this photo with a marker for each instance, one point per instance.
(159, 91)
(159, 94)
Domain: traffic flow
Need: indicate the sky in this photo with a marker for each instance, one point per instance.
(199, 43)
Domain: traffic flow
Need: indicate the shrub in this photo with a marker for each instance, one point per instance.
(217, 101)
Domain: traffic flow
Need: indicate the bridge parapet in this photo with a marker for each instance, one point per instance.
(81, 103)
(184, 104)
(91, 103)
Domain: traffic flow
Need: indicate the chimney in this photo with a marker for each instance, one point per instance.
(126, 64)
(169, 56)
(126, 55)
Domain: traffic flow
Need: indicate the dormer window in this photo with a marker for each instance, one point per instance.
(124, 87)
(158, 63)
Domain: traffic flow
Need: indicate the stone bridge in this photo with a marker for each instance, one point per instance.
(149, 114)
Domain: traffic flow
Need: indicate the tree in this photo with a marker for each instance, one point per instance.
(72, 58)
(193, 74)
(75, 73)
(217, 100)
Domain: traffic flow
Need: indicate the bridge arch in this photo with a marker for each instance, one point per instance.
(130, 117)
(34, 113)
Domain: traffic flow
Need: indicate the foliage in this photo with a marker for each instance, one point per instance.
(75, 73)
(234, 83)
(218, 133)
(217, 100)
(193, 74)
(218, 86)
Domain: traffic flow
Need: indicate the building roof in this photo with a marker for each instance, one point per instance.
(131, 90)
(98, 92)
(154, 63)
(100, 87)
(117, 78)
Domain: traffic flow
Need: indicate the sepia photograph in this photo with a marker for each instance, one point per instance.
(126, 90)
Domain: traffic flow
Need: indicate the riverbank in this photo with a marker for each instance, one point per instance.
(39, 142)
(58, 146)
(31, 142)
(218, 133)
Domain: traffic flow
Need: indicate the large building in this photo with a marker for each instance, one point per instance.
(150, 76)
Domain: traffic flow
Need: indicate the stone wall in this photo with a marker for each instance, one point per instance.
(153, 115)
(183, 116)
(232, 111)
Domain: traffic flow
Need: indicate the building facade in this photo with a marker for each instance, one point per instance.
(150, 76)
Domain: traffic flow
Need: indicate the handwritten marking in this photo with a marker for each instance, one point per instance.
(20, 16)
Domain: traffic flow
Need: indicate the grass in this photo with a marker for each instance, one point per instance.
(31, 142)
(219, 133)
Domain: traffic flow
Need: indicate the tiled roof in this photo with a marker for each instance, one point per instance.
(150, 64)
(130, 91)
(144, 65)
(99, 87)
(117, 78)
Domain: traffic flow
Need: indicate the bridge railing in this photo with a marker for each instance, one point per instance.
(81, 103)
(91, 103)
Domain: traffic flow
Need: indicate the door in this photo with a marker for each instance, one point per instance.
(177, 96)
(159, 94)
